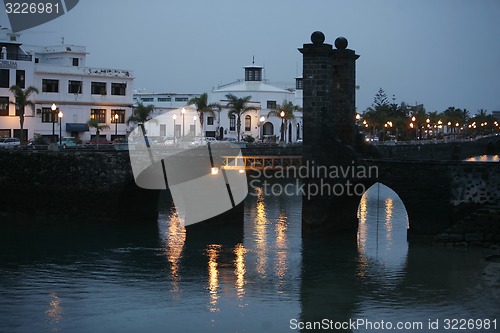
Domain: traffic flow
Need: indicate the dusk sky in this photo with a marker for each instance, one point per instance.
(439, 53)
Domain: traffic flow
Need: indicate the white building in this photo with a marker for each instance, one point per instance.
(264, 98)
(62, 78)
(174, 117)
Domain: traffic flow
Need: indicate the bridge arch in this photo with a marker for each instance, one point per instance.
(382, 204)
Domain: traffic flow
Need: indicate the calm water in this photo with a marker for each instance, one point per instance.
(64, 277)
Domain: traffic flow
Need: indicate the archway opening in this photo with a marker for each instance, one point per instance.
(268, 129)
(382, 229)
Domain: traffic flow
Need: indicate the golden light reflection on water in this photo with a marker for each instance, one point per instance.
(484, 158)
(55, 311)
(389, 208)
(240, 270)
(213, 251)
(280, 263)
(260, 232)
(175, 239)
(362, 227)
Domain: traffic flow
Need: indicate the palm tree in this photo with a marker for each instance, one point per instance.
(140, 115)
(203, 107)
(237, 107)
(94, 123)
(288, 110)
(22, 100)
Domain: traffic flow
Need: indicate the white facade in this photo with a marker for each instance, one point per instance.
(264, 98)
(79, 92)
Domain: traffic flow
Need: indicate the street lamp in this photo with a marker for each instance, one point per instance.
(194, 125)
(261, 123)
(116, 124)
(60, 115)
(174, 117)
(282, 115)
(183, 112)
(53, 108)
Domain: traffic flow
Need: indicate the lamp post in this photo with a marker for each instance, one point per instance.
(174, 117)
(261, 125)
(194, 126)
(282, 115)
(116, 124)
(53, 108)
(414, 119)
(183, 111)
(60, 115)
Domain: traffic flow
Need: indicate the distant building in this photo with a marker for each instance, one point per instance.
(264, 98)
(62, 78)
(174, 116)
(496, 115)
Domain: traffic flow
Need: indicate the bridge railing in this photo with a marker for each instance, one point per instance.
(260, 162)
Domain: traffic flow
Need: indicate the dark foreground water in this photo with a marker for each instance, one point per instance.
(73, 277)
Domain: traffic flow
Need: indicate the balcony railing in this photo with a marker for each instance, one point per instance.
(21, 57)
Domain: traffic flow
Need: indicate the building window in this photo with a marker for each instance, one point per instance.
(98, 88)
(271, 105)
(99, 114)
(4, 133)
(75, 87)
(76, 62)
(20, 78)
(253, 74)
(181, 99)
(118, 89)
(248, 123)
(50, 86)
(148, 99)
(49, 116)
(299, 84)
(210, 120)
(4, 78)
(232, 122)
(121, 116)
(4, 106)
(164, 99)
(37, 60)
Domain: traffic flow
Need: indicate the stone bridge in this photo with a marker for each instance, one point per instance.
(99, 185)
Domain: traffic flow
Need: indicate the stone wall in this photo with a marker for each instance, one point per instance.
(80, 185)
(442, 151)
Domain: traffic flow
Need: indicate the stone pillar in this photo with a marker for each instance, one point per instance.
(344, 93)
(318, 128)
(329, 85)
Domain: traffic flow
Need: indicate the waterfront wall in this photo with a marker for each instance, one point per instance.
(79, 185)
(440, 151)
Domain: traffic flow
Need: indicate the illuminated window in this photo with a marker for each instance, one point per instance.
(121, 116)
(99, 114)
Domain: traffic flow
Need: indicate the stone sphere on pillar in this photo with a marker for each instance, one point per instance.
(317, 37)
(341, 43)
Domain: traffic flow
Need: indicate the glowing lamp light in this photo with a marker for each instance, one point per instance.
(214, 171)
